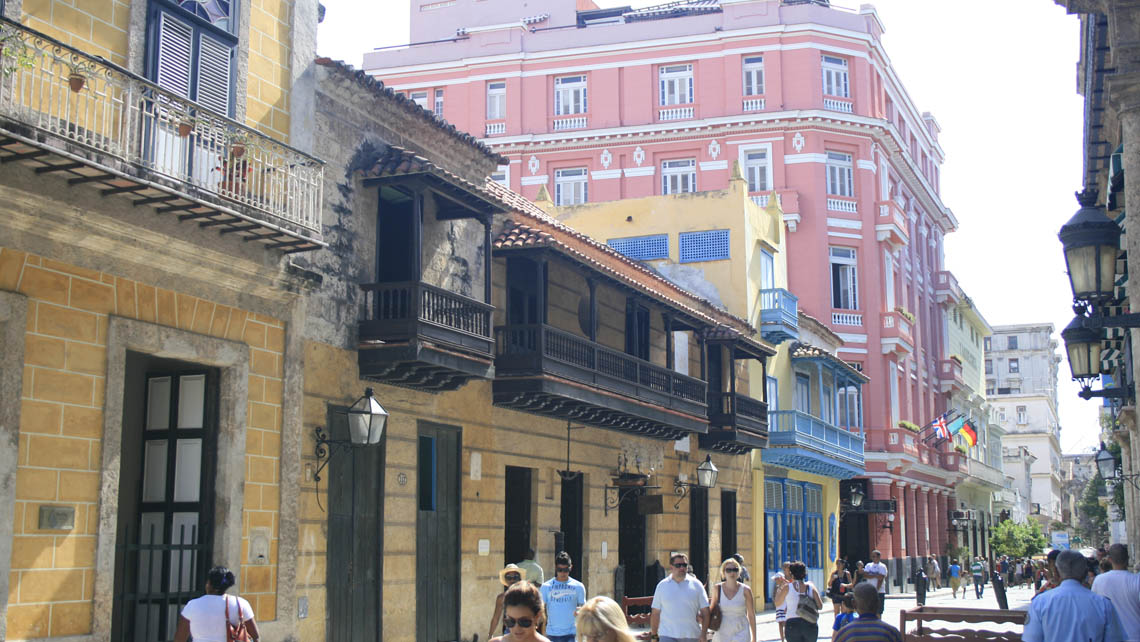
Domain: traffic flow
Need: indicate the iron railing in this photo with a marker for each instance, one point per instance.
(420, 302)
(158, 579)
(576, 351)
(796, 428)
(68, 94)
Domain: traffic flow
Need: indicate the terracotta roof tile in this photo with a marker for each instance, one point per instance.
(804, 351)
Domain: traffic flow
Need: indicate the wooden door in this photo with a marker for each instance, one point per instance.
(727, 524)
(437, 532)
(699, 533)
(631, 545)
(571, 523)
(517, 518)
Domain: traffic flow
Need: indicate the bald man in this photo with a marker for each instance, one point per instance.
(1071, 611)
(868, 627)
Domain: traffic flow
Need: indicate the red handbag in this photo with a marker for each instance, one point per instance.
(235, 632)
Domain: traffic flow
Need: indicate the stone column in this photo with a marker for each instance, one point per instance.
(922, 524)
(898, 538)
(911, 521)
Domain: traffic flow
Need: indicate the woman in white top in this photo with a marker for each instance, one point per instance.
(789, 595)
(738, 614)
(204, 618)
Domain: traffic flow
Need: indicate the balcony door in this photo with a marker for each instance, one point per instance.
(631, 545)
(397, 229)
(526, 291)
(637, 330)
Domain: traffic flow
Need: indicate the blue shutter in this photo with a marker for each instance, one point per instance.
(642, 248)
(711, 245)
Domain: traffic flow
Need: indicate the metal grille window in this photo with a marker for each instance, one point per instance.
(753, 75)
(438, 107)
(756, 170)
(835, 77)
(679, 176)
(570, 186)
(496, 100)
(844, 279)
(570, 95)
(193, 57)
(642, 248)
(840, 177)
(711, 245)
(676, 84)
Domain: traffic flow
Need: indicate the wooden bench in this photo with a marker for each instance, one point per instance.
(640, 620)
(923, 615)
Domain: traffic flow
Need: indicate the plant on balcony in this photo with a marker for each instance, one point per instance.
(14, 54)
(238, 142)
(913, 427)
(80, 71)
(905, 313)
(955, 357)
(186, 125)
(960, 448)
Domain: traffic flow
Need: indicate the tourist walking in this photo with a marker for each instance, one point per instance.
(838, 582)
(1049, 573)
(1072, 612)
(956, 578)
(738, 611)
(534, 573)
(781, 578)
(1122, 588)
(935, 572)
(601, 619)
(802, 600)
(680, 610)
(978, 575)
(868, 627)
(562, 596)
(205, 618)
(876, 573)
(522, 606)
(510, 574)
(744, 575)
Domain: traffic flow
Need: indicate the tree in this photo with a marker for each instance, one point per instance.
(1092, 517)
(1018, 540)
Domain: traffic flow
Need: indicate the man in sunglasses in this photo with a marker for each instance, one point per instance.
(680, 606)
(562, 595)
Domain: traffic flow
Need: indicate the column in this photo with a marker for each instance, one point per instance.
(942, 536)
(911, 522)
(923, 526)
(898, 532)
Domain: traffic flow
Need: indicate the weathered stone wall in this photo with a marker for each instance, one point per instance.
(452, 252)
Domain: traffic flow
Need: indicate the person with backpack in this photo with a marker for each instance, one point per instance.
(802, 601)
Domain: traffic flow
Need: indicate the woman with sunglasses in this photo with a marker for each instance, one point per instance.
(601, 619)
(510, 574)
(738, 613)
(801, 626)
(522, 605)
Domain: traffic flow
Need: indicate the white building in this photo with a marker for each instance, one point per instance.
(1021, 383)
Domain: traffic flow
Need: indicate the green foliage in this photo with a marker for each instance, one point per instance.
(1092, 517)
(1018, 540)
(911, 426)
(14, 54)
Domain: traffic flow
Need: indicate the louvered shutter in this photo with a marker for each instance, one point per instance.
(175, 46)
(214, 59)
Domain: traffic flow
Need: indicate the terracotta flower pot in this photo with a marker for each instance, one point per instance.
(237, 150)
(184, 129)
(76, 81)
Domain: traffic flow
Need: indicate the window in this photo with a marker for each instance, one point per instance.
(502, 175)
(986, 344)
(756, 170)
(570, 186)
(438, 107)
(767, 271)
(1022, 415)
(679, 176)
(793, 524)
(893, 377)
(844, 279)
(496, 100)
(773, 394)
(711, 245)
(1012, 342)
(676, 85)
(642, 248)
(803, 393)
(1014, 366)
(825, 405)
(1001, 412)
(989, 366)
(420, 98)
(835, 77)
(194, 58)
(570, 95)
(847, 401)
(840, 178)
(753, 75)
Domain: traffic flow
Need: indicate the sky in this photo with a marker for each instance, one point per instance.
(1000, 78)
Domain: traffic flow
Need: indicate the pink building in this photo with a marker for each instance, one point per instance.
(603, 104)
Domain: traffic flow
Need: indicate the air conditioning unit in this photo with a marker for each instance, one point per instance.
(959, 514)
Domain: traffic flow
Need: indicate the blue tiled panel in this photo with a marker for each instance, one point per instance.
(642, 248)
(710, 245)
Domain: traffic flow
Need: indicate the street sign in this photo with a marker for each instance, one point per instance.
(1061, 540)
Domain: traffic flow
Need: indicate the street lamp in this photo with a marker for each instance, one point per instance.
(1083, 346)
(856, 497)
(706, 478)
(1109, 470)
(366, 421)
(1091, 242)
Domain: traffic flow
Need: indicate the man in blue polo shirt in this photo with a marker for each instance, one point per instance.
(868, 627)
(562, 596)
(1071, 611)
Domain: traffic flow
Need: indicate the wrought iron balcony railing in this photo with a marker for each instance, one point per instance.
(51, 92)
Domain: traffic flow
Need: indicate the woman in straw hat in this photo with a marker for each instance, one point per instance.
(523, 614)
(510, 574)
(600, 619)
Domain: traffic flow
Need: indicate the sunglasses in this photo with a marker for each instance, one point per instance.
(524, 622)
(513, 577)
(731, 569)
(681, 565)
(561, 569)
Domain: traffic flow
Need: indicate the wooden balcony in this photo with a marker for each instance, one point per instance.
(739, 423)
(423, 337)
(95, 123)
(779, 318)
(554, 373)
(808, 443)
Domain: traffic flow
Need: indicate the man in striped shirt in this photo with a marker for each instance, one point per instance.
(868, 627)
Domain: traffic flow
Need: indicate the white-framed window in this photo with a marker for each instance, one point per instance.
(679, 176)
(893, 378)
(835, 77)
(889, 279)
(753, 75)
(844, 279)
(676, 84)
(438, 106)
(989, 366)
(847, 401)
(496, 100)
(570, 95)
(803, 393)
(1022, 415)
(419, 97)
(773, 394)
(570, 186)
(1011, 342)
(757, 169)
(502, 175)
(825, 401)
(1014, 366)
(840, 175)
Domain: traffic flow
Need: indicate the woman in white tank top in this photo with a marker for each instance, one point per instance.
(738, 622)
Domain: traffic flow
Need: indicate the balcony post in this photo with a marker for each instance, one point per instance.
(732, 376)
(819, 379)
(667, 320)
(487, 260)
(541, 289)
(701, 348)
(417, 237)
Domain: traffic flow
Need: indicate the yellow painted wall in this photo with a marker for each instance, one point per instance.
(61, 428)
(98, 27)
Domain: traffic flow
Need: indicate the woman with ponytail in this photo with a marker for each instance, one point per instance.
(216, 617)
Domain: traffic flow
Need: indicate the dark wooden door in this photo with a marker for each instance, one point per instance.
(727, 524)
(699, 533)
(437, 533)
(636, 330)
(571, 523)
(631, 545)
(355, 547)
(518, 509)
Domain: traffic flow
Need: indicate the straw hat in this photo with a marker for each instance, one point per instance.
(511, 568)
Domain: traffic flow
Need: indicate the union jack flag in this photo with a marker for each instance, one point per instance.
(940, 429)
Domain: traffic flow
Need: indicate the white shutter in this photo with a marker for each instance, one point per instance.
(214, 74)
(175, 42)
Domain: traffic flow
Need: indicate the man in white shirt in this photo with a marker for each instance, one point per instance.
(680, 605)
(876, 573)
(1122, 589)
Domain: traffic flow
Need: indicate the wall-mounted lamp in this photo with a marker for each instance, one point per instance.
(366, 420)
(1109, 470)
(890, 523)
(706, 478)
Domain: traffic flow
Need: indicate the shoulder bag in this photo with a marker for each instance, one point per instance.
(235, 632)
(716, 616)
(807, 608)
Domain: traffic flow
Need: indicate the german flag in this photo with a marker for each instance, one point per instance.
(969, 433)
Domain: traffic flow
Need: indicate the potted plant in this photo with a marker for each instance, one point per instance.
(238, 143)
(14, 54)
(78, 77)
(186, 126)
(913, 427)
(960, 448)
(905, 313)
